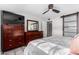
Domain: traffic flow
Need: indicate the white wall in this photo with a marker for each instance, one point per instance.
(44, 28)
(57, 26)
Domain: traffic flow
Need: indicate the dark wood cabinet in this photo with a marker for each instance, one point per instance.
(13, 36)
(33, 35)
(12, 31)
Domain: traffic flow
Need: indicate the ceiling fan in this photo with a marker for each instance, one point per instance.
(51, 6)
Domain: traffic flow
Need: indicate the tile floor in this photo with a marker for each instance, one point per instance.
(18, 51)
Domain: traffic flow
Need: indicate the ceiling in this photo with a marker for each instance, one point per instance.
(38, 9)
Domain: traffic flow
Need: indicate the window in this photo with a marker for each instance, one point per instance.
(70, 25)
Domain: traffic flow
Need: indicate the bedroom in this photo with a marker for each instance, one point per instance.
(34, 12)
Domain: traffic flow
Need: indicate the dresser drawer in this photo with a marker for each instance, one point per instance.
(20, 43)
(9, 44)
(33, 35)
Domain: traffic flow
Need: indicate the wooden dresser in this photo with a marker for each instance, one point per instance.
(12, 31)
(13, 36)
(33, 35)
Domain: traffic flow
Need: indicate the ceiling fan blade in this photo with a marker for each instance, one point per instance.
(45, 11)
(57, 11)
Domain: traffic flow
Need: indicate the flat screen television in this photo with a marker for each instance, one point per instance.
(12, 18)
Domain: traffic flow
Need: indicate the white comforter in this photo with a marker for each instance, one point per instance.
(41, 47)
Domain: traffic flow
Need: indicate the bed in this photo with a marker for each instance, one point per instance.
(54, 45)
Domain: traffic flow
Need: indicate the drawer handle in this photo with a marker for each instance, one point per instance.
(10, 40)
(10, 45)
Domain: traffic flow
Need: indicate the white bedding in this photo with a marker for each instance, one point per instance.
(47, 46)
(63, 41)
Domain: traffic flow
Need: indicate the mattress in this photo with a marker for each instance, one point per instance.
(48, 46)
